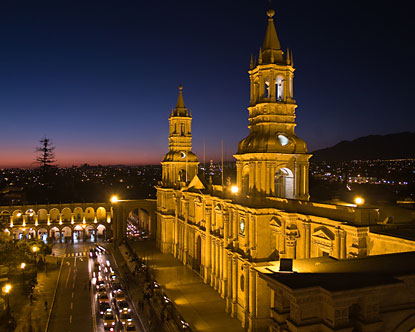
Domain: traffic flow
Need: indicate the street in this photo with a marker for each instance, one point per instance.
(72, 309)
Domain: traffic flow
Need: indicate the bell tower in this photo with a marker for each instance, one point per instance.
(180, 164)
(272, 160)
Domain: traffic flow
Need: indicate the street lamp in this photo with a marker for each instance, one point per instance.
(6, 289)
(359, 200)
(234, 189)
(35, 250)
(114, 199)
(22, 266)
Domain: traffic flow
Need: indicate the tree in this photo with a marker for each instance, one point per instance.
(46, 156)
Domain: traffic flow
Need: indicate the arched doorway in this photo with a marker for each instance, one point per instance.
(90, 233)
(198, 258)
(78, 234)
(101, 232)
(42, 234)
(55, 234)
(17, 234)
(284, 183)
(31, 234)
(66, 234)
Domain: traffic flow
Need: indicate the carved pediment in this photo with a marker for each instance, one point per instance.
(323, 233)
(275, 224)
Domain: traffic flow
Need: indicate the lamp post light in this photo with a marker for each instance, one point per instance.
(359, 200)
(6, 289)
(35, 250)
(22, 266)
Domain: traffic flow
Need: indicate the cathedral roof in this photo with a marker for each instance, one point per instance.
(180, 109)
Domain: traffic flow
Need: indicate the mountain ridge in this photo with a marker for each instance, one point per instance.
(371, 147)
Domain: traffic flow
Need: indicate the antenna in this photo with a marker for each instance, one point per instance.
(222, 160)
(204, 155)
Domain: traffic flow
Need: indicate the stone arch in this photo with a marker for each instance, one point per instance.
(54, 215)
(279, 88)
(42, 233)
(42, 215)
(54, 233)
(66, 214)
(90, 233)
(245, 179)
(30, 216)
(66, 231)
(17, 233)
(31, 233)
(101, 214)
(284, 183)
(101, 231)
(78, 214)
(89, 214)
(17, 217)
(144, 219)
(5, 217)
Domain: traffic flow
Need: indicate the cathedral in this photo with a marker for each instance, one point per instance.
(234, 235)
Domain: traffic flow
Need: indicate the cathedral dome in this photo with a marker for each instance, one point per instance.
(262, 142)
(180, 156)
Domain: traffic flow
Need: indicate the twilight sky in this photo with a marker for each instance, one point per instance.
(100, 77)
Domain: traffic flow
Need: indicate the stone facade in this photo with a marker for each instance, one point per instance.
(228, 237)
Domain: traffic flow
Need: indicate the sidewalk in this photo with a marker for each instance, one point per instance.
(199, 304)
(33, 317)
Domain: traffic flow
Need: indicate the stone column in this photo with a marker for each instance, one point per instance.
(336, 244)
(234, 285)
(252, 298)
(245, 323)
(291, 247)
(208, 212)
(235, 230)
(221, 280)
(342, 244)
(225, 217)
(213, 269)
(185, 239)
(217, 265)
(306, 241)
(228, 295)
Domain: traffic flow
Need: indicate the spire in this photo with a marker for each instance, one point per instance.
(180, 102)
(292, 61)
(271, 41)
(180, 109)
(251, 65)
(288, 56)
(260, 56)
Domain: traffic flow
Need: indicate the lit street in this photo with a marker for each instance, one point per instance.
(72, 309)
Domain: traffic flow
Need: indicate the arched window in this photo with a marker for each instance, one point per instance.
(279, 88)
(182, 129)
(245, 179)
(284, 183)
